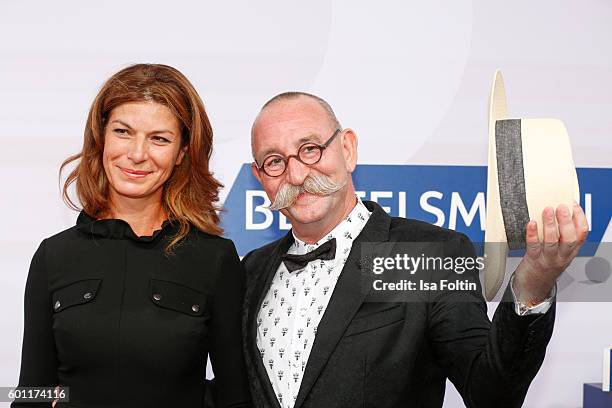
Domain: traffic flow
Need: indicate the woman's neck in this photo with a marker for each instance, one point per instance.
(143, 214)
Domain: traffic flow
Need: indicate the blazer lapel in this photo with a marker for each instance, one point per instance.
(345, 301)
(262, 285)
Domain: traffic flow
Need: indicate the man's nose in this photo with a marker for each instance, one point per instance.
(296, 171)
(138, 149)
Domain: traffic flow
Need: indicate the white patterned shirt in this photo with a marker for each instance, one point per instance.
(292, 309)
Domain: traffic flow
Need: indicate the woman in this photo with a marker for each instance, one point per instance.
(125, 307)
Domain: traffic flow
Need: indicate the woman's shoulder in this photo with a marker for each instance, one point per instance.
(62, 237)
(72, 233)
(216, 241)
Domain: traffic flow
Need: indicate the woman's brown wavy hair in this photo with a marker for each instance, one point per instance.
(191, 193)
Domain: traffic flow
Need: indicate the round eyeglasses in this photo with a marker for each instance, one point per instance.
(309, 153)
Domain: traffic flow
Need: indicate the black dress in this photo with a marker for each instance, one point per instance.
(110, 316)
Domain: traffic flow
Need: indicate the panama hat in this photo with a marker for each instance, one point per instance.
(530, 167)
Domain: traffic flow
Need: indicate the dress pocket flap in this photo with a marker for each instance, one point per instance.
(177, 297)
(76, 293)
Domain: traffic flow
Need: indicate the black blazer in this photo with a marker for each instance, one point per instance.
(113, 318)
(399, 354)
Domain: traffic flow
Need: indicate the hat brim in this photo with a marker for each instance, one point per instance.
(546, 174)
(495, 251)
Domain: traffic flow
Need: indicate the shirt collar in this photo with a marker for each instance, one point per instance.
(346, 230)
(115, 228)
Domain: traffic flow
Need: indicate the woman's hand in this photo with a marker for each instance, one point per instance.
(54, 403)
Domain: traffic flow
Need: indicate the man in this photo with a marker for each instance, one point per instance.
(312, 339)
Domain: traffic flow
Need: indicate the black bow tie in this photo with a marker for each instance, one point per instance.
(325, 252)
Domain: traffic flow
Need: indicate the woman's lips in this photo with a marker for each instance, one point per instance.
(134, 173)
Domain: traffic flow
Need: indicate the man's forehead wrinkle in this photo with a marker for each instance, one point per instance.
(310, 137)
(290, 141)
(300, 119)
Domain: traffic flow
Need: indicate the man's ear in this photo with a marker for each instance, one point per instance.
(349, 149)
(181, 154)
(255, 172)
